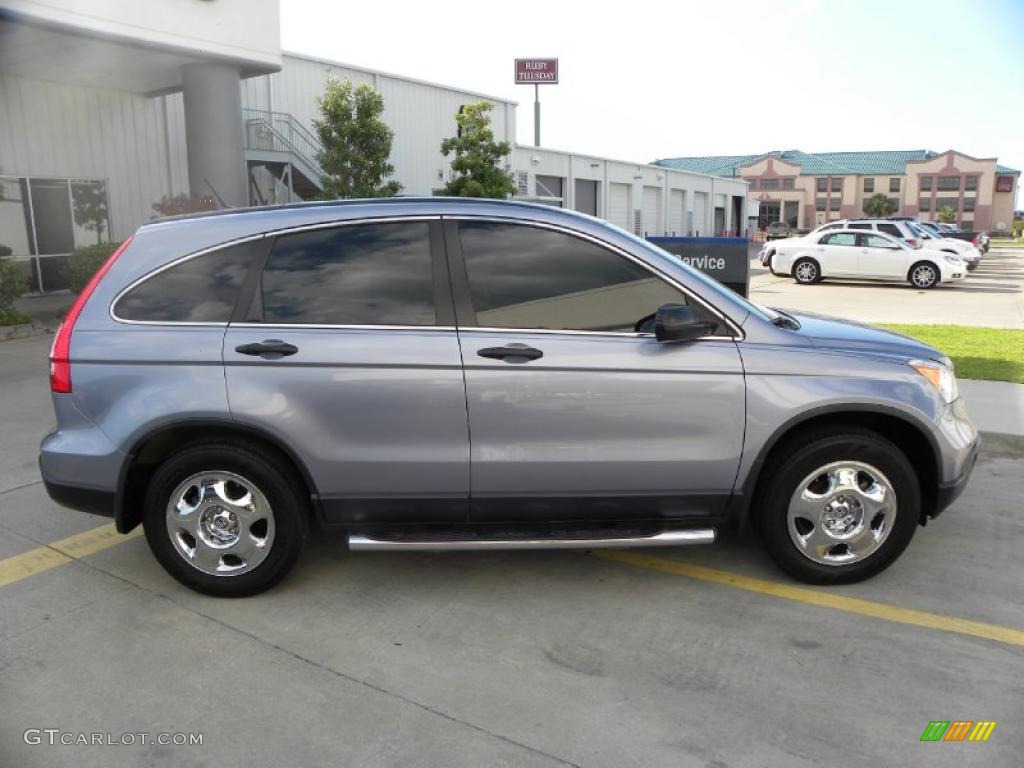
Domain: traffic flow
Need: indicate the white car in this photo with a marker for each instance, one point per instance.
(861, 255)
(962, 248)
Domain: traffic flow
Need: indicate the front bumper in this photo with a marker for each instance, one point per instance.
(950, 492)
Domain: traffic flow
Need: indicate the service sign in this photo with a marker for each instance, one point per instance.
(536, 71)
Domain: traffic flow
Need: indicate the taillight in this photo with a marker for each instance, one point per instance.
(913, 242)
(976, 240)
(60, 352)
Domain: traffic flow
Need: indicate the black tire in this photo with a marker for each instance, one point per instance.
(768, 262)
(916, 275)
(972, 267)
(806, 271)
(281, 488)
(802, 459)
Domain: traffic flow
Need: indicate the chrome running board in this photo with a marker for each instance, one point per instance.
(436, 544)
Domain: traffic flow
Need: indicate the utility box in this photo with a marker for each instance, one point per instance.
(727, 259)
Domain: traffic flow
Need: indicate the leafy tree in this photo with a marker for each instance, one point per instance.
(476, 169)
(878, 206)
(178, 205)
(356, 142)
(89, 206)
(947, 215)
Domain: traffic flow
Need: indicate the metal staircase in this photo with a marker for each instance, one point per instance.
(280, 155)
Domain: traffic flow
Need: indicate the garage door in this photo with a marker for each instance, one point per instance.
(652, 211)
(676, 209)
(700, 214)
(619, 205)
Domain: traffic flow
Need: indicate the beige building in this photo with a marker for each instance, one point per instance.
(806, 189)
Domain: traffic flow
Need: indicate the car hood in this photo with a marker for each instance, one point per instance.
(849, 336)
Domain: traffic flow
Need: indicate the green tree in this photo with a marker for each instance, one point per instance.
(947, 215)
(356, 142)
(476, 167)
(89, 206)
(878, 206)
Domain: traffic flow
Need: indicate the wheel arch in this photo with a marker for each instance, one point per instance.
(161, 441)
(916, 442)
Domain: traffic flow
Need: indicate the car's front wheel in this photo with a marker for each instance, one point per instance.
(806, 271)
(840, 507)
(924, 275)
(224, 520)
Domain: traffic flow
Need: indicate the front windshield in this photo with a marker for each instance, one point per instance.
(917, 228)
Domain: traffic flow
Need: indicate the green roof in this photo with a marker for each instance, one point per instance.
(812, 163)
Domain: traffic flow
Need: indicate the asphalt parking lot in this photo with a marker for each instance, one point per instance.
(991, 296)
(696, 657)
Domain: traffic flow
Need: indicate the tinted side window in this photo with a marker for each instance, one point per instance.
(364, 274)
(890, 229)
(527, 277)
(200, 290)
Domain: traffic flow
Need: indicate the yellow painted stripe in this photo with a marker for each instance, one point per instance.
(807, 596)
(44, 558)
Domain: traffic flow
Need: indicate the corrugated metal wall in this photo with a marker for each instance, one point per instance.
(52, 129)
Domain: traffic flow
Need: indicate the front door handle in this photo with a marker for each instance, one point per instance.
(511, 350)
(267, 347)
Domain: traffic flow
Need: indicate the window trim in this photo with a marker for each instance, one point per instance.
(465, 313)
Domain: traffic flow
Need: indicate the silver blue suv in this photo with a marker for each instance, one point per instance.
(450, 374)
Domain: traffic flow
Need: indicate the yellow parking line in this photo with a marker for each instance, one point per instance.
(49, 556)
(807, 596)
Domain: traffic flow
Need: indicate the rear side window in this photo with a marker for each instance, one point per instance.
(364, 274)
(203, 289)
(891, 229)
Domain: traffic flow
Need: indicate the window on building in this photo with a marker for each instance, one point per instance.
(822, 184)
(894, 184)
(820, 204)
(869, 185)
(947, 202)
(924, 204)
(769, 183)
(926, 183)
(200, 290)
(791, 214)
(527, 277)
(894, 203)
(968, 204)
(949, 183)
(753, 183)
(1004, 183)
(550, 186)
(836, 185)
(789, 183)
(365, 274)
(971, 183)
(833, 203)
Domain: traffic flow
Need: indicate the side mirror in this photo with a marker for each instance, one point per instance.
(678, 322)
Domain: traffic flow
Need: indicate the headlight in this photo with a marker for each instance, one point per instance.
(954, 260)
(939, 376)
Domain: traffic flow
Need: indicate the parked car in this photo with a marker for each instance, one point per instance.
(437, 373)
(970, 254)
(861, 254)
(980, 240)
(777, 230)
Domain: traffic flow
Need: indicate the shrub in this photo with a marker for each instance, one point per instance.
(83, 263)
(12, 285)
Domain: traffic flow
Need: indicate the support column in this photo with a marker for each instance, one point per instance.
(213, 132)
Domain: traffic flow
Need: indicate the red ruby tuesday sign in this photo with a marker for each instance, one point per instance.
(536, 71)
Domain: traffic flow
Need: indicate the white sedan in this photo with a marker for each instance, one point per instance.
(860, 255)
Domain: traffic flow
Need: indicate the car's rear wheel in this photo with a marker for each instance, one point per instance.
(223, 520)
(806, 271)
(923, 275)
(840, 508)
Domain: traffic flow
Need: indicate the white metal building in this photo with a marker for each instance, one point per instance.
(107, 111)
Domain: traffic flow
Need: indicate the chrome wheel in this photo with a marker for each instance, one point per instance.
(923, 276)
(841, 513)
(806, 272)
(220, 523)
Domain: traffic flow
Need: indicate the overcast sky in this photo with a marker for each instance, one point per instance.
(644, 80)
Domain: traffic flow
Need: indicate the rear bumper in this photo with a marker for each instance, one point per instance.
(90, 500)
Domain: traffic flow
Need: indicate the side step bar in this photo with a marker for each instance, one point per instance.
(663, 539)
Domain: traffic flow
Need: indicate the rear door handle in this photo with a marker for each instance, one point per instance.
(511, 350)
(267, 347)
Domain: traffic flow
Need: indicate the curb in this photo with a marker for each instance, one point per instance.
(1002, 444)
(24, 331)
